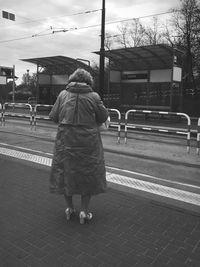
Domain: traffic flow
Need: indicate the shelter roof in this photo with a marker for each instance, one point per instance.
(54, 62)
(149, 57)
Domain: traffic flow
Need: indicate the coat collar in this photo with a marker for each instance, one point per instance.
(77, 87)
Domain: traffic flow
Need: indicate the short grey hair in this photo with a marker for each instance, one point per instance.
(81, 75)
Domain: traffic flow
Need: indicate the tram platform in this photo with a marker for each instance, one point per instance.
(127, 229)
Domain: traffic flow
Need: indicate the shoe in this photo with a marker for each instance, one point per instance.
(69, 212)
(85, 216)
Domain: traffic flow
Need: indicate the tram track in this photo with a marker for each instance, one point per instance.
(134, 134)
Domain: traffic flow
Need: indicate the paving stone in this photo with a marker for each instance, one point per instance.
(192, 263)
(32, 261)
(150, 236)
(176, 263)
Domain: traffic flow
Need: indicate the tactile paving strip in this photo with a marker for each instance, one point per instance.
(25, 156)
(165, 191)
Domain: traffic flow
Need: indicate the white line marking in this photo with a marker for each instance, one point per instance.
(177, 194)
(27, 149)
(153, 177)
(161, 190)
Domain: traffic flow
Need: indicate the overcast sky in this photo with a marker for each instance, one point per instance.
(30, 35)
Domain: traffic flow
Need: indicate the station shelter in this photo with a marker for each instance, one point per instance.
(52, 75)
(146, 77)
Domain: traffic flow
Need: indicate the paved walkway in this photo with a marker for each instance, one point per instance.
(126, 230)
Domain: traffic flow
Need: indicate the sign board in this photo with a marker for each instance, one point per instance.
(43, 78)
(115, 76)
(3, 80)
(160, 76)
(134, 76)
(6, 72)
(60, 79)
(47, 79)
(177, 74)
(7, 15)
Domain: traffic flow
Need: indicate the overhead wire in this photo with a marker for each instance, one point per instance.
(54, 17)
(85, 27)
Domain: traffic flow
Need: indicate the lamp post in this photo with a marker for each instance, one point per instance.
(102, 50)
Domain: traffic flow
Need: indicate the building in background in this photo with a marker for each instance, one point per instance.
(52, 75)
(7, 74)
(146, 77)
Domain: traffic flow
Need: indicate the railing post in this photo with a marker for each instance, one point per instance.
(189, 128)
(31, 115)
(119, 123)
(3, 114)
(198, 136)
(34, 114)
(1, 111)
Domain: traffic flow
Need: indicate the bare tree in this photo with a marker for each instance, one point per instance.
(187, 24)
(136, 34)
(153, 33)
(136, 31)
(122, 38)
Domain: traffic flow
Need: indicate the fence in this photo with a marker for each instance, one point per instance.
(161, 129)
(198, 136)
(116, 124)
(33, 116)
(12, 114)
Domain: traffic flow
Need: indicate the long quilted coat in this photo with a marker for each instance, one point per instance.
(78, 162)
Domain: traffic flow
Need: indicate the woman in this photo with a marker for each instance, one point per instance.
(78, 162)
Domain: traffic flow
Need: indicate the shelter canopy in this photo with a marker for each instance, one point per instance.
(67, 64)
(149, 57)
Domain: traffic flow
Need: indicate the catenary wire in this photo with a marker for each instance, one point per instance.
(86, 27)
(42, 19)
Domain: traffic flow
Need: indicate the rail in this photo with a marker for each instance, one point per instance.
(114, 124)
(16, 105)
(198, 136)
(161, 129)
(35, 116)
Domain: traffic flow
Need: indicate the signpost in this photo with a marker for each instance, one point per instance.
(102, 50)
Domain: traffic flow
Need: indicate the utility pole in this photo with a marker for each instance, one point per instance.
(102, 50)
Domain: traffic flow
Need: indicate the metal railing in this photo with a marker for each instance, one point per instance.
(116, 124)
(1, 113)
(198, 136)
(18, 115)
(36, 116)
(161, 129)
(33, 117)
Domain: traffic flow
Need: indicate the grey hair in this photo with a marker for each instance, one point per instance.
(81, 75)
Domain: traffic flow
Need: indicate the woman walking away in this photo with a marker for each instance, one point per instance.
(78, 162)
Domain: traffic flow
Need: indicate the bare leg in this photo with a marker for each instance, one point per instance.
(85, 201)
(69, 201)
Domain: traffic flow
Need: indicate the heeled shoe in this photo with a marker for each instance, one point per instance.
(69, 212)
(83, 216)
